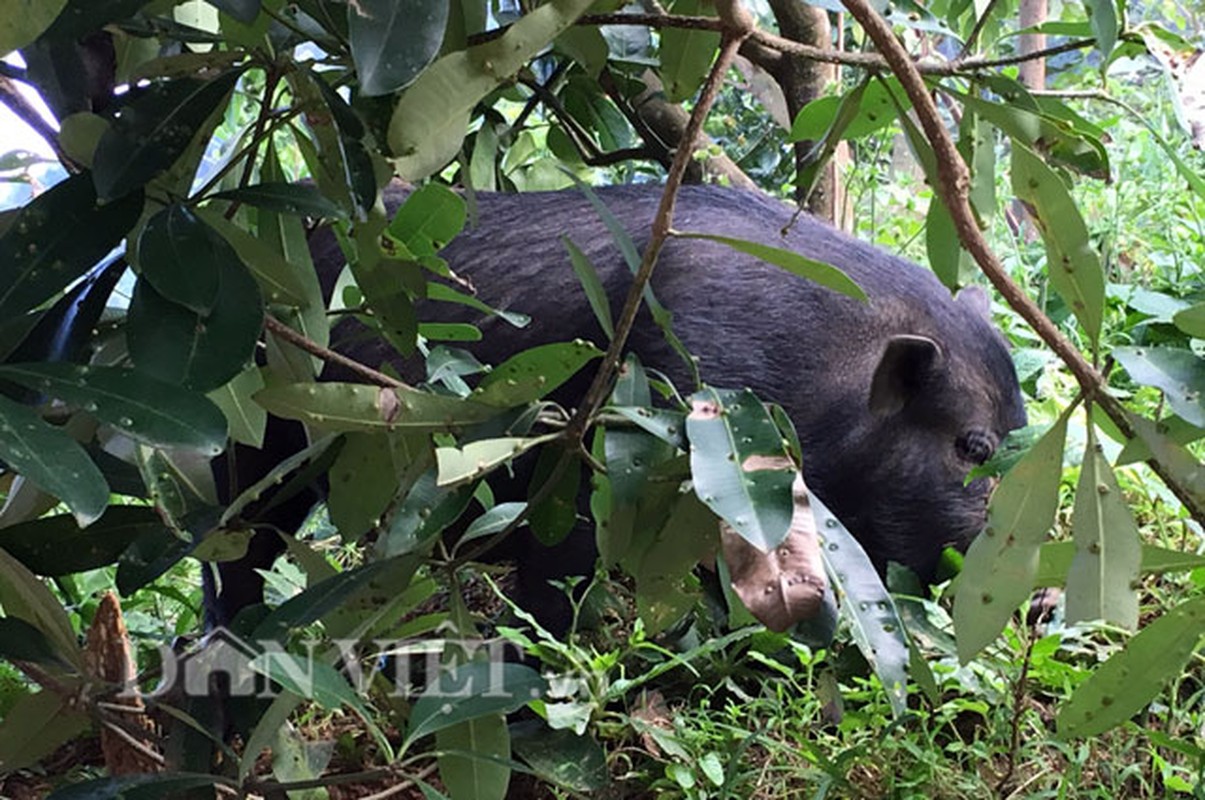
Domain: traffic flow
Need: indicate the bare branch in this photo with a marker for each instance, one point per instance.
(273, 325)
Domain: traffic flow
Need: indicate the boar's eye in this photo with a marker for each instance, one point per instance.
(975, 446)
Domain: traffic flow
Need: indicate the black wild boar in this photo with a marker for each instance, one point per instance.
(894, 400)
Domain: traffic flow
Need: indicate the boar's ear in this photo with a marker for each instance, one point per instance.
(974, 298)
(907, 364)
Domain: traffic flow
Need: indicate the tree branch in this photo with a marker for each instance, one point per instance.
(273, 325)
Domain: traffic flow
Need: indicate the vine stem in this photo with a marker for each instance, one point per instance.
(952, 187)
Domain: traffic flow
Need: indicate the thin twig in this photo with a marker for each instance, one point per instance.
(952, 188)
(1018, 701)
(978, 29)
(20, 105)
(273, 325)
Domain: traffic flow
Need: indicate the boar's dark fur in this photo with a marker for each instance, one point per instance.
(894, 400)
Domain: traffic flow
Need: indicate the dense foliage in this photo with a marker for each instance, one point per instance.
(159, 303)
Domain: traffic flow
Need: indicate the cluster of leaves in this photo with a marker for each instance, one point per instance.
(112, 409)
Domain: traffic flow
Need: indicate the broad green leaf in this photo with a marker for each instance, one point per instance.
(980, 138)
(55, 239)
(942, 244)
(298, 199)
(20, 641)
(1001, 564)
(319, 600)
(1174, 457)
(1056, 139)
(149, 556)
(54, 546)
(199, 351)
(432, 116)
(473, 758)
(686, 54)
(1102, 16)
(432, 216)
(1054, 562)
(873, 618)
(534, 373)
(457, 465)
(294, 758)
(22, 21)
(662, 560)
(1176, 371)
(392, 41)
(370, 470)
(245, 419)
(35, 726)
(1191, 320)
(739, 466)
(320, 682)
(426, 511)
(52, 460)
(356, 407)
(221, 546)
(639, 502)
(1073, 264)
(859, 112)
(493, 521)
(586, 46)
(183, 258)
(282, 282)
(471, 691)
(143, 408)
(155, 127)
(663, 423)
(1103, 578)
(577, 763)
(587, 275)
(794, 263)
(23, 596)
(554, 516)
(1129, 680)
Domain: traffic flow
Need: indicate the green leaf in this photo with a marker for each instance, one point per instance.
(473, 758)
(1103, 577)
(34, 728)
(392, 41)
(52, 460)
(320, 599)
(55, 239)
(739, 466)
(22, 21)
(320, 682)
(861, 111)
(470, 691)
(182, 258)
(143, 408)
(426, 511)
(873, 618)
(20, 641)
(576, 763)
(1054, 562)
(686, 54)
(432, 216)
(1177, 372)
(534, 373)
(942, 244)
(1191, 320)
(356, 407)
(282, 282)
(368, 473)
(1074, 267)
(1001, 564)
(54, 546)
(554, 516)
(298, 199)
(1129, 680)
(587, 275)
(794, 263)
(1059, 141)
(199, 351)
(24, 597)
(1102, 16)
(457, 465)
(432, 116)
(246, 420)
(154, 128)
